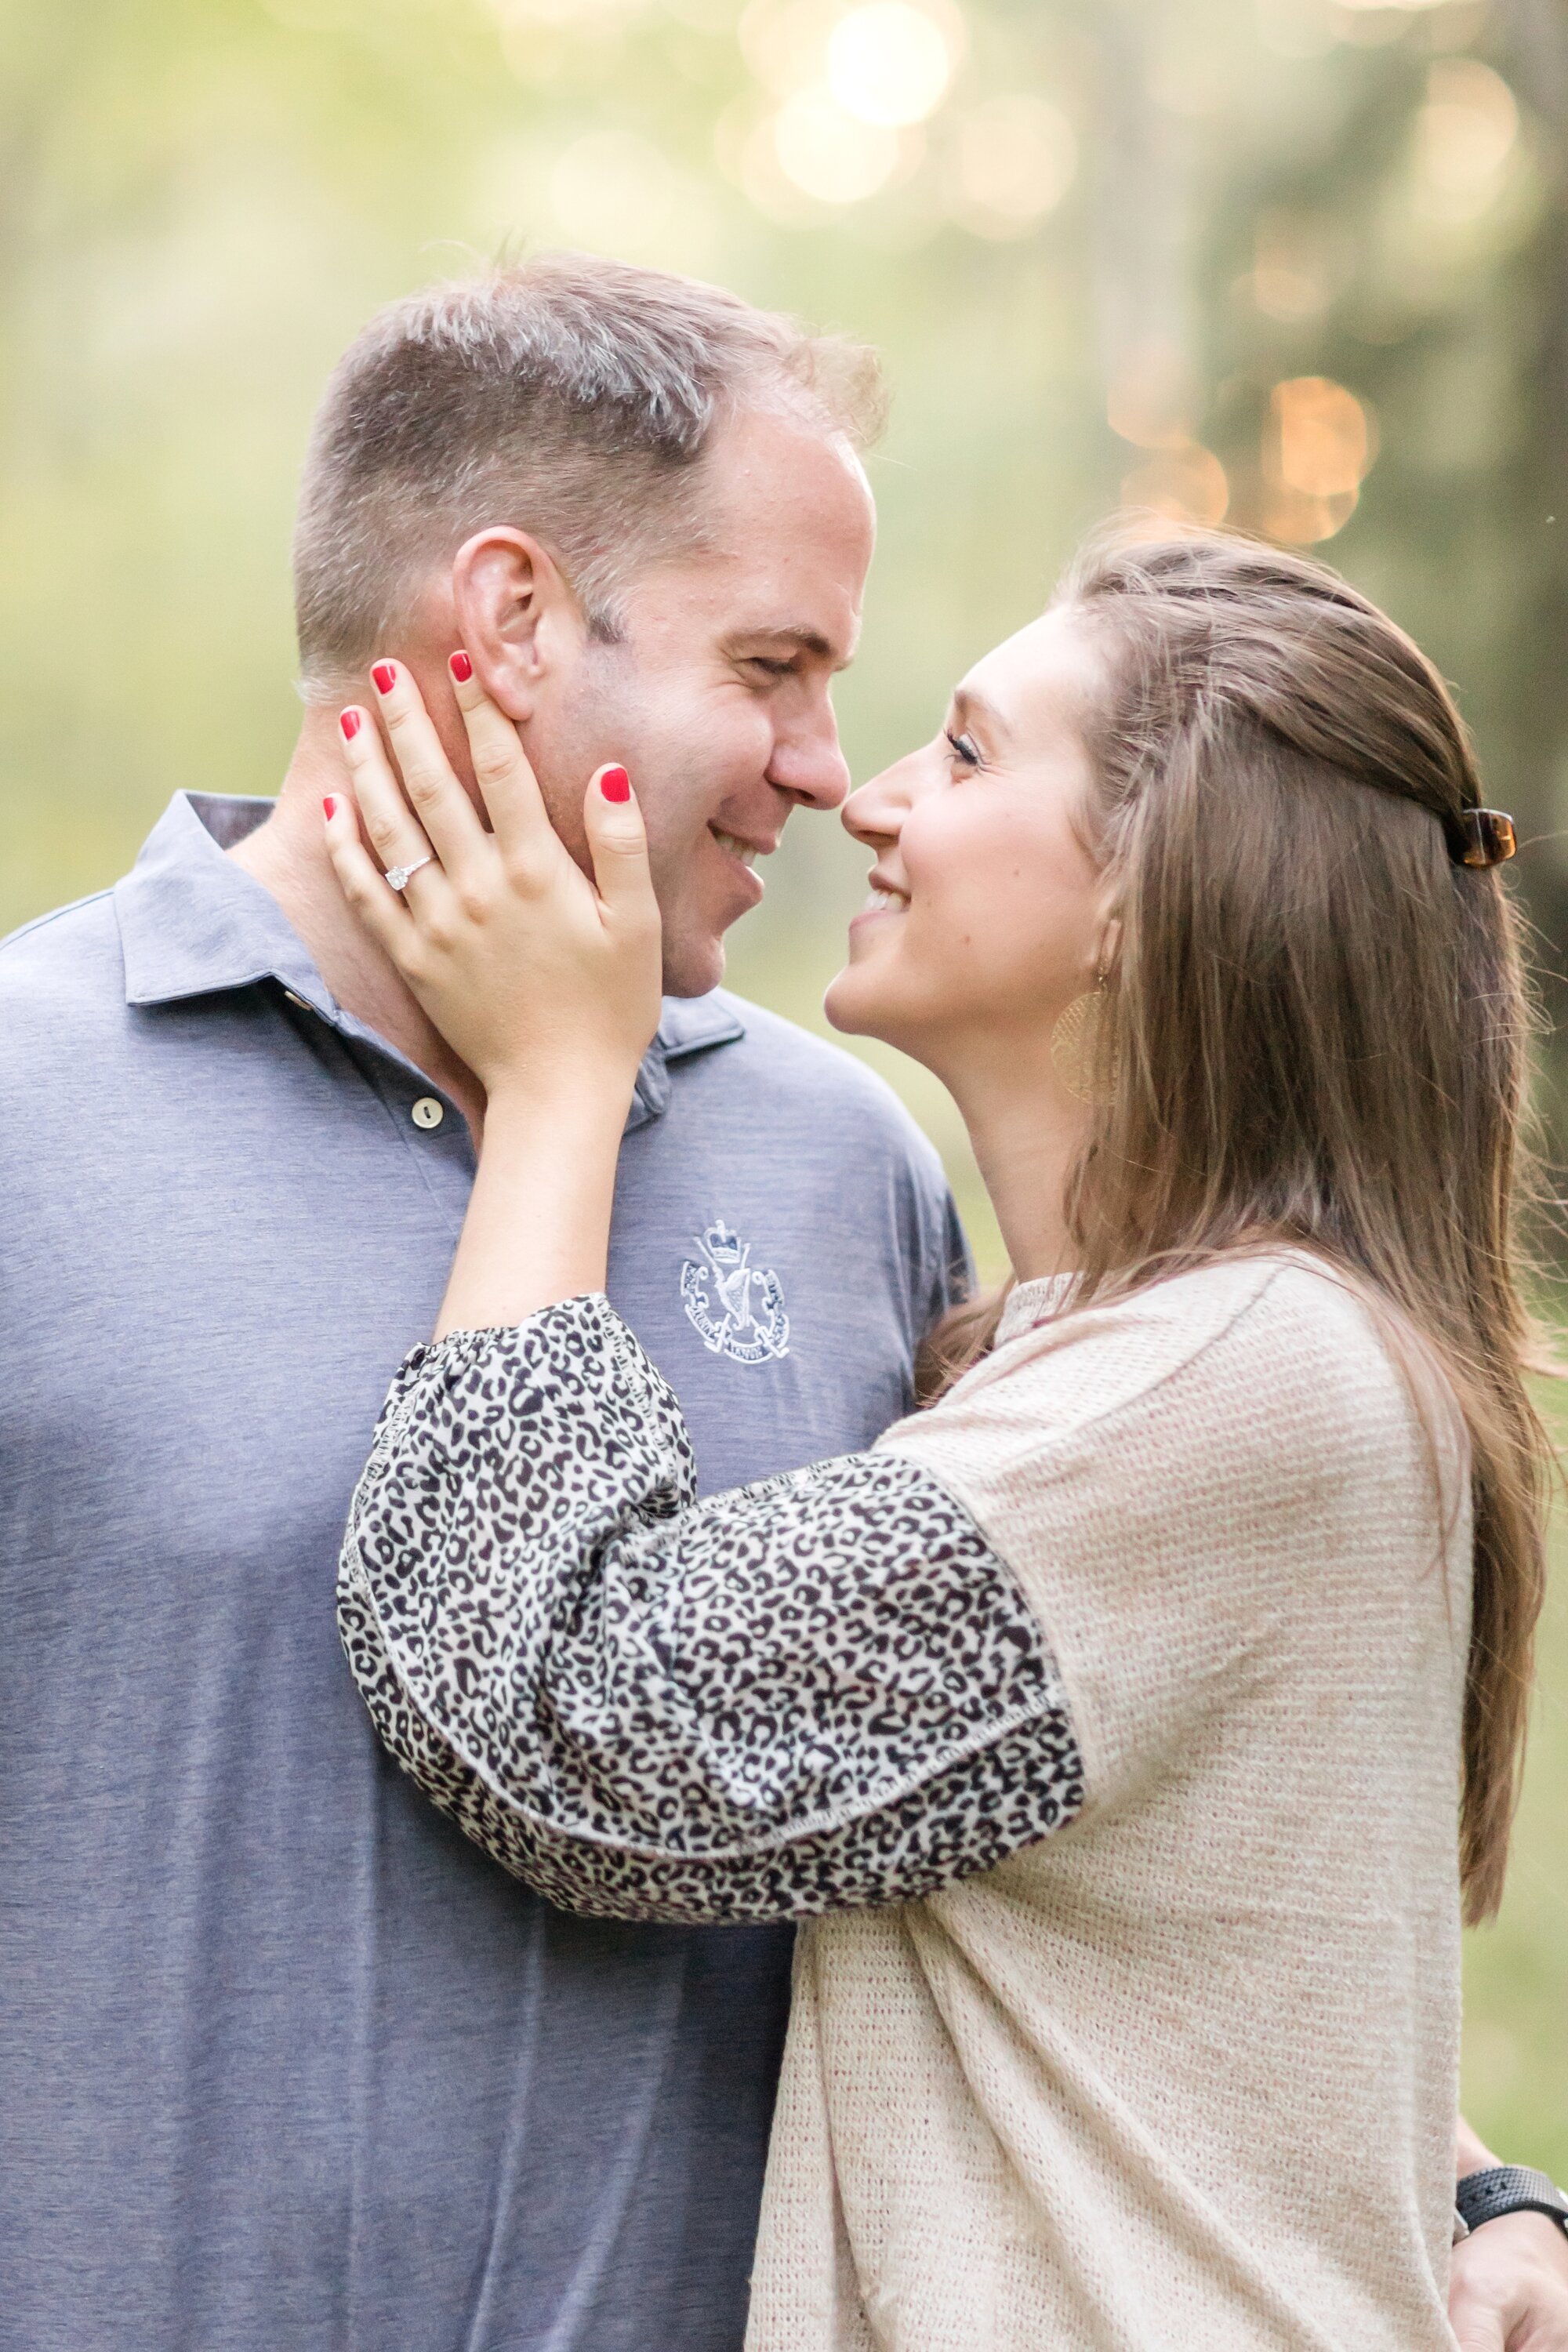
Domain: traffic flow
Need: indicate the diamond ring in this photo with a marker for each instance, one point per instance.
(397, 877)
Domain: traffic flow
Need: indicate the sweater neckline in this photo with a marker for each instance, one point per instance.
(1028, 1303)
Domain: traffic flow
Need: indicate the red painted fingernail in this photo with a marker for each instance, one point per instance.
(349, 721)
(616, 784)
(385, 677)
(462, 668)
(330, 804)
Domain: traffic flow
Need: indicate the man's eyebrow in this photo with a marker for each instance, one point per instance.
(805, 640)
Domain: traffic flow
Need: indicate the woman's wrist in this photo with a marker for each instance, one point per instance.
(538, 1225)
(587, 1098)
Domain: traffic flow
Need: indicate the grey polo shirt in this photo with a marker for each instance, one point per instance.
(285, 2064)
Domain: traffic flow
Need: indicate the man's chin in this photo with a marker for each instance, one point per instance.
(692, 967)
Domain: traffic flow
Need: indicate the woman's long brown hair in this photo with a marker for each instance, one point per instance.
(1318, 1020)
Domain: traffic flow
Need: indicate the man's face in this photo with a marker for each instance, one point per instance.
(719, 698)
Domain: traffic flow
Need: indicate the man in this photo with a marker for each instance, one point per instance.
(285, 2062)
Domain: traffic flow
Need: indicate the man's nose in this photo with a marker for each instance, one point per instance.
(808, 763)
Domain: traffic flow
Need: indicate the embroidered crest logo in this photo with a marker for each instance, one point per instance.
(736, 1308)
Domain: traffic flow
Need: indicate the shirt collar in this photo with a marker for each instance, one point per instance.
(688, 1025)
(194, 923)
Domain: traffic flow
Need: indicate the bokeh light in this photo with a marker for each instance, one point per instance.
(1464, 137)
(1014, 158)
(785, 42)
(889, 62)
(1293, 276)
(1324, 437)
(1188, 484)
(1320, 443)
(830, 153)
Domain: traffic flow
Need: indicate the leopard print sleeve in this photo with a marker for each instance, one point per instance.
(816, 1693)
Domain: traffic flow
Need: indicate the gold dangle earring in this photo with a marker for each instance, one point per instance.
(1082, 1053)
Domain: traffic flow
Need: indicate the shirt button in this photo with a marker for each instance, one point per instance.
(297, 1000)
(427, 1111)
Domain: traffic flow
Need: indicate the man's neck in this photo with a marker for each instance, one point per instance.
(287, 856)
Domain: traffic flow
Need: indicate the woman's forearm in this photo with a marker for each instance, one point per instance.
(538, 1225)
(819, 1693)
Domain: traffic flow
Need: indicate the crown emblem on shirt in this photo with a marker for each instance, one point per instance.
(736, 1308)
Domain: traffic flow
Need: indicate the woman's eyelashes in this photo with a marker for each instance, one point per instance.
(965, 751)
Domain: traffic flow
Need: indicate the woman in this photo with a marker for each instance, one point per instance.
(1105, 1720)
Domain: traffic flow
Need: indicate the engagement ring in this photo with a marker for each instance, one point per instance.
(397, 875)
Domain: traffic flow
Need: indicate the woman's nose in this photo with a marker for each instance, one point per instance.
(876, 812)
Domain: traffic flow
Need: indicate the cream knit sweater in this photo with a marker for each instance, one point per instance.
(1182, 2077)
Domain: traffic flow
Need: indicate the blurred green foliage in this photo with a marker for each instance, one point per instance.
(1303, 261)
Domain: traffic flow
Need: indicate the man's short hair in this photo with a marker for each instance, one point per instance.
(567, 396)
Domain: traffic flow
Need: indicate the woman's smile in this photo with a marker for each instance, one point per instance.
(882, 899)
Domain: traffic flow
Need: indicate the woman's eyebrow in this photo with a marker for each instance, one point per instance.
(972, 709)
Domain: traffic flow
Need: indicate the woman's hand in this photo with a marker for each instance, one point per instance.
(541, 981)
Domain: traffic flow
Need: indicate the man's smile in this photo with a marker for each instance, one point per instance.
(746, 852)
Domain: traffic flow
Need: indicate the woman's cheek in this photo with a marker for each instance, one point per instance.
(957, 948)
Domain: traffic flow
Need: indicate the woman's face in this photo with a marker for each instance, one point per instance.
(988, 915)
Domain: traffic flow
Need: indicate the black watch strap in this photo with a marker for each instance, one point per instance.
(1507, 2189)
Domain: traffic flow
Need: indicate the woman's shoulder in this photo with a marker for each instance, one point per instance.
(1247, 1346)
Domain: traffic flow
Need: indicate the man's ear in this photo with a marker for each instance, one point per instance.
(517, 618)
